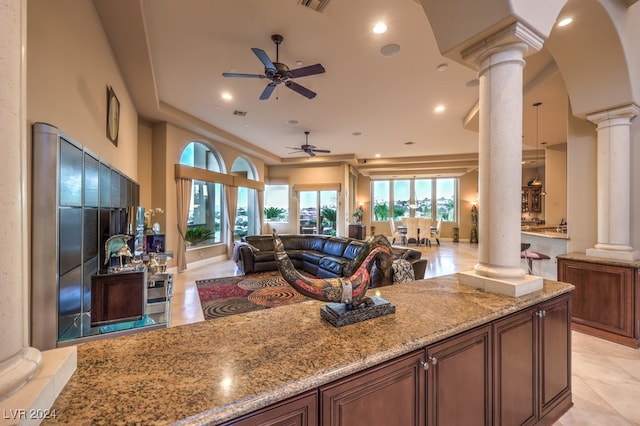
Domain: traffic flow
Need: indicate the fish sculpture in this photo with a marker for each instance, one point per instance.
(350, 290)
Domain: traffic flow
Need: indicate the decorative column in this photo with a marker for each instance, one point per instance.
(614, 183)
(18, 362)
(500, 61)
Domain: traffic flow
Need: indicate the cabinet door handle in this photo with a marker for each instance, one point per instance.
(541, 314)
(432, 359)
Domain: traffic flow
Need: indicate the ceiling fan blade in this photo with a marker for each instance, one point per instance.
(300, 89)
(305, 71)
(311, 153)
(235, 74)
(324, 151)
(264, 58)
(267, 91)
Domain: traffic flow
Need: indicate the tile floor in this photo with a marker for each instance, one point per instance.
(606, 376)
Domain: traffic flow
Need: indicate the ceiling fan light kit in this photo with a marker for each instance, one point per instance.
(280, 73)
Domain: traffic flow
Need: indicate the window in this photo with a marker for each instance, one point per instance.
(413, 198)
(247, 213)
(318, 207)
(276, 203)
(446, 199)
(380, 199)
(401, 198)
(204, 225)
(423, 193)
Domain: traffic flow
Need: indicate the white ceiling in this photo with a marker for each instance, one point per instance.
(388, 100)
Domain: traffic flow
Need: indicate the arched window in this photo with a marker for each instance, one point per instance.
(205, 224)
(248, 211)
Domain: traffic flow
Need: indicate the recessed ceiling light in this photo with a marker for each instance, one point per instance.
(227, 96)
(377, 155)
(298, 63)
(564, 22)
(292, 122)
(409, 143)
(356, 134)
(390, 49)
(240, 113)
(439, 108)
(442, 67)
(379, 28)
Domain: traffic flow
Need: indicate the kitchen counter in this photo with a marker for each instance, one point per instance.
(219, 369)
(544, 231)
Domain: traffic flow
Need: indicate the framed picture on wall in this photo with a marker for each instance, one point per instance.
(113, 116)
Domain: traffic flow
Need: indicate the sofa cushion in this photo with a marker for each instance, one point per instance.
(402, 271)
(312, 257)
(352, 249)
(264, 256)
(260, 242)
(333, 264)
(303, 242)
(335, 246)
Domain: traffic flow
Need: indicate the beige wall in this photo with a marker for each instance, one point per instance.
(581, 185)
(70, 65)
(468, 196)
(555, 202)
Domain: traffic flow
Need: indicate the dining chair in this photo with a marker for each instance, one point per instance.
(436, 233)
(412, 229)
(424, 228)
(402, 237)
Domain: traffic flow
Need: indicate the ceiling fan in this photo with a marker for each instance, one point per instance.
(308, 149)
(278, 72)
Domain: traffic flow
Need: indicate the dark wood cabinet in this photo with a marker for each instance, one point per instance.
(357, 230)
(531, 199)
(301, 410)
(390, 394)
(513, 371)
(532, 372)
(606, 298)
(459, 380)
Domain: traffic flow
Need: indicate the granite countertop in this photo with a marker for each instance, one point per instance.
(601, 260)
(217, 370)
(547, 232)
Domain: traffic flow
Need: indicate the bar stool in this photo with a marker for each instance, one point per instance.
(531, 256)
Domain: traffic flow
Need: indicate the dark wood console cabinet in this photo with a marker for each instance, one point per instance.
(606, 298)
(357, 231)
(515, 370)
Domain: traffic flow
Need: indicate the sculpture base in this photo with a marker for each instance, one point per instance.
(339, 314)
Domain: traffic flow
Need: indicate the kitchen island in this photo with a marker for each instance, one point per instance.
(288, 360)
(547, 240)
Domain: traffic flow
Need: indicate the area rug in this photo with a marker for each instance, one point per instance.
(221, 297)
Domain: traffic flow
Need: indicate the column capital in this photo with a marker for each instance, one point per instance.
(625, 112)
(516, 35)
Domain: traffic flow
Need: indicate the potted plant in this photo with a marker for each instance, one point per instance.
(197, 235)
(273, 213)
(358, 214)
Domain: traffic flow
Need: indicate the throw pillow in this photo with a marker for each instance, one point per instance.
(402, 271)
